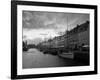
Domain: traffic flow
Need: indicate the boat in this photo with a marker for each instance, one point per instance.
(68, 55)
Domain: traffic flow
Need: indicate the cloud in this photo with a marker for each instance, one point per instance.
(52, 20)
(37, 20)
(50, 23)
(38, 33)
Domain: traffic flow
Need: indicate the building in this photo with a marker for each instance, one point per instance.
(78, 36)
(83, 34)
(72, 39)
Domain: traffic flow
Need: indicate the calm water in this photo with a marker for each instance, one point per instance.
(36, 59)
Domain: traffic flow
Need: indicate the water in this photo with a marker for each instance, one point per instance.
(36, 59)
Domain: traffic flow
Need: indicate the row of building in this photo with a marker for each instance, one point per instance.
(74, 38)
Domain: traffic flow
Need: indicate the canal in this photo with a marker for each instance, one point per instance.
(33, 58)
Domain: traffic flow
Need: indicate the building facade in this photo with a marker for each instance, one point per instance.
(71, 39)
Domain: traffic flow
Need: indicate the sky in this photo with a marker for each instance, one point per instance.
(39, 25)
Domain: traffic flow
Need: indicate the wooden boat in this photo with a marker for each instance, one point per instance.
(68, 55)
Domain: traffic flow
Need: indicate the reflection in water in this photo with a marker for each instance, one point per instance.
(36, 59)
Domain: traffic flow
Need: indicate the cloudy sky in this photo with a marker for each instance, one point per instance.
(39, 25)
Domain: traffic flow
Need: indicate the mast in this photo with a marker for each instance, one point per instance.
(66, 33)
(67, 23)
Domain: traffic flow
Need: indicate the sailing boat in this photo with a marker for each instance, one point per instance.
(66, 54)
